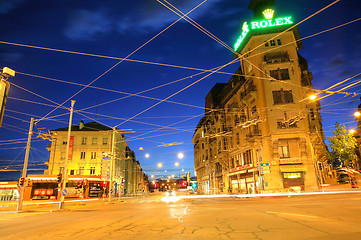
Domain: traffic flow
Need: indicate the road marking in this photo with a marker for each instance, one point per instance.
(294, 214)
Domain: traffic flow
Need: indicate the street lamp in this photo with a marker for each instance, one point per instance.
(180, 155)
(176, 164)
(152, 176)
(313, 97)
(147, 155)
(357, 114)
(352, 131)
(160, 165)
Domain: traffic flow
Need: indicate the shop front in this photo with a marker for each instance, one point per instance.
(243, 181)
(47, 187)
(293, 177)
(204, 186)
(9, 191)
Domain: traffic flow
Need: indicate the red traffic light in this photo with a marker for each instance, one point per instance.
(104, 183)
(21, 181)
(60, 176)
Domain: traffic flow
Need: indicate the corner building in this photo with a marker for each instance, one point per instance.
(261, 132)
(90, 157)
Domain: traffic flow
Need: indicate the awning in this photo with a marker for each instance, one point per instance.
(293, 169)
(242, 172)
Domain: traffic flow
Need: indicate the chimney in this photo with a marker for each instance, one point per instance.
(81, 125)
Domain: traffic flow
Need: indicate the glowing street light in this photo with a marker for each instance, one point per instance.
(160, 165)
(357, 114)
(147, 155)
(313, 97)
(152, 176)
(182, 170)
(352, 131)
(176, 164)
(173, 176)
(180, 155)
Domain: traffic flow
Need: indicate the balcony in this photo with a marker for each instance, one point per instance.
(253, 134)
(276, 57)
(248, 89)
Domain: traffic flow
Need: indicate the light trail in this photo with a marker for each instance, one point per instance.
(177, 198)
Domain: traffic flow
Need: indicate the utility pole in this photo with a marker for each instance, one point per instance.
(25, 167)
(65, 173)
(111, 168)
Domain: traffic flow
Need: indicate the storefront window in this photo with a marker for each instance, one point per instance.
(292, 175)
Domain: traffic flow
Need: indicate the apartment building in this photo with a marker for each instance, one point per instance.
(261, 132)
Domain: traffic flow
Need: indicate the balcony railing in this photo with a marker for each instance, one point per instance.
(249, 88)
(254, 134)
(276, 57)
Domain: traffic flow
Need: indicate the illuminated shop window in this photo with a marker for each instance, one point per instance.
(292, 175)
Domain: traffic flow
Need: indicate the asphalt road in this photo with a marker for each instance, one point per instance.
(335, 216)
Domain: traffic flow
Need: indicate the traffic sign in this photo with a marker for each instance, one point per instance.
(64, 192)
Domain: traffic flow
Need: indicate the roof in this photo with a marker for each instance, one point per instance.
(92, 126)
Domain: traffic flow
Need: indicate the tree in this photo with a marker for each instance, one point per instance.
(342, 145)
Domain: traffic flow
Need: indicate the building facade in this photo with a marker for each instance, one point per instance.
(261, 132)
(90, 151)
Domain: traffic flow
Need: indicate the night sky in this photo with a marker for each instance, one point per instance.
(98, 34)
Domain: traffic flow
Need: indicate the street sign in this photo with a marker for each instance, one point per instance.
(265, 168)
(266, 171)
(64, 192)
(264, 164)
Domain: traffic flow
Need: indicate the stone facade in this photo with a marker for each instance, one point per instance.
(90, 155)
(260, 131)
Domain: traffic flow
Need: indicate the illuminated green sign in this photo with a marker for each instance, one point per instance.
(270, 22)
(243, 35)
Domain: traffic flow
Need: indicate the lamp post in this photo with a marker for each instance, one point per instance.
(111, 173)
(65, 173)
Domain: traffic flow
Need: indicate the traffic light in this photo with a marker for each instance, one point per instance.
(21, 182)
(60, 177)
(194, 185)
(104, 183)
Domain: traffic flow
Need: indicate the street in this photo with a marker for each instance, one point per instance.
(331, 216)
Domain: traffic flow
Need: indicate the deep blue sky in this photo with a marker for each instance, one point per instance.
(116, 29)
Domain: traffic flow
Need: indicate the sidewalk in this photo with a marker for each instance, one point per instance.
(53, 205)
